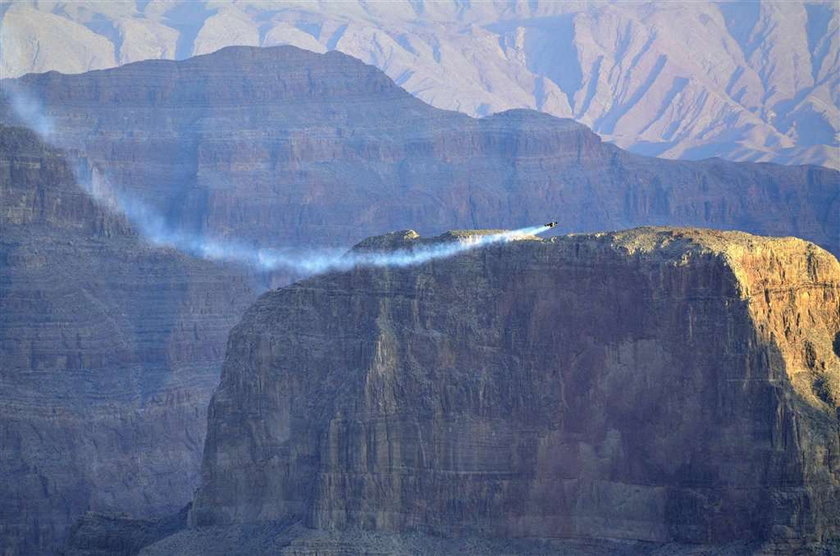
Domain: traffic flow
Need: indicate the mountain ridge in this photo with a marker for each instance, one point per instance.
(744, 82)
(276, 145)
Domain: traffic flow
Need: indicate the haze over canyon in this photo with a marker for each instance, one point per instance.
(232, 319)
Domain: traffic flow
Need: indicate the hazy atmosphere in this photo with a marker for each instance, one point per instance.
(413, 277)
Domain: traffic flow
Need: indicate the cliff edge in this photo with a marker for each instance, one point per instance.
(656, 385)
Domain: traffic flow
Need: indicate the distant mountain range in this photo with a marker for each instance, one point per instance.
(752, 81)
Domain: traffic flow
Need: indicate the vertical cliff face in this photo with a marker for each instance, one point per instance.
(659, 385)
(283, 146)
(109, 351)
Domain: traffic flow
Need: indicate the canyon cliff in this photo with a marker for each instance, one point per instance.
(658, 385)
(111, 348)
(109, 351)
(280, 146)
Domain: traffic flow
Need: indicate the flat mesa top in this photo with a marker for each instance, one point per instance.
(457, 234)
(666, 241)
(409, 238)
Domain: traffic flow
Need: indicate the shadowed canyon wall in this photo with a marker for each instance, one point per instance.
(109, 350)
(666, 385)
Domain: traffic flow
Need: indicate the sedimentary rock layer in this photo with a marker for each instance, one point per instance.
(664, 385)
(109, 350)
(283, 147)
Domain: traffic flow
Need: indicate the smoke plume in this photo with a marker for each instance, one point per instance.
(155, 229)
(318, 262)
(28, 109)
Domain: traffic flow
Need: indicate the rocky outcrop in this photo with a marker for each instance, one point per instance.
(283, 147)
(112, 535)
(659, 385)
(109, 351)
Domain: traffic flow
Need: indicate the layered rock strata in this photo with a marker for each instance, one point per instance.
(660, 385)
(284, 147)
(109, 351)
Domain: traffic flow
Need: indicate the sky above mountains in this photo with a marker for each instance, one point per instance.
(744, 81)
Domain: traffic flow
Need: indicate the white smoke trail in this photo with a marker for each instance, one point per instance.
(154, 228)
(28, 109)
(317, 263)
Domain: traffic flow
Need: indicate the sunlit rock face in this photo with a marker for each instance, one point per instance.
(109, 351)
(743, 81)
(663, 385)
(283, 147)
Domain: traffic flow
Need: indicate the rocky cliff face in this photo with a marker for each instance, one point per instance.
(109, 351)
(665, 385)
(280, 146)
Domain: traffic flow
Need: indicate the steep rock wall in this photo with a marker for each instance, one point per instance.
(109, 351)
(656, 384)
